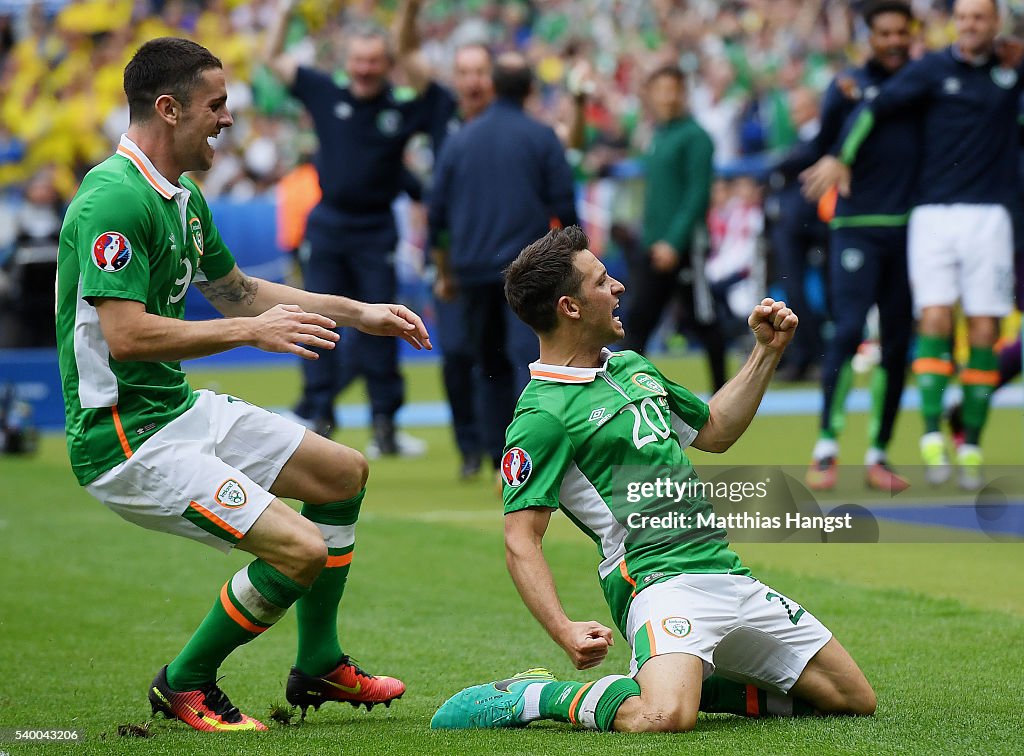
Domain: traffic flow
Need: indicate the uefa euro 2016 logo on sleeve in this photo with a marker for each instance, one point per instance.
(516, 467)
(111, 251)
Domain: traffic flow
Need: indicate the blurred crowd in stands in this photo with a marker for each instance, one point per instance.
(756, 68)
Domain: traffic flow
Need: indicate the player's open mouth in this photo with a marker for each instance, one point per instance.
(212, 140)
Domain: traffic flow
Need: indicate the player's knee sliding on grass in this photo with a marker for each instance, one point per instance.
(665, 697)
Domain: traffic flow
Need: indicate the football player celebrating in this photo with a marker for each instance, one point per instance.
(683, 600)
(198, 464)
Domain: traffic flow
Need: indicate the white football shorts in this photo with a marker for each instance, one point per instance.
(737, 625)
(206, 475)
(961, 253)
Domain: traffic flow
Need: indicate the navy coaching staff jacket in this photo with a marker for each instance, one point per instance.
(499, 182)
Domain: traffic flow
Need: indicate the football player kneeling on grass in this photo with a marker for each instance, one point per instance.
(705, 634)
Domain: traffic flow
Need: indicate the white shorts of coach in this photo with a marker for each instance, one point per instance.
(961, 253)
(737, 625)
(206, 475)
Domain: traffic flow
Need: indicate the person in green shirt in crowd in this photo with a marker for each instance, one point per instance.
(670, 261)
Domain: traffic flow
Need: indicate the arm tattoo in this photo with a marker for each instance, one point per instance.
(231, 289)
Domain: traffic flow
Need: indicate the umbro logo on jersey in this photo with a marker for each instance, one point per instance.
(951, 85)
(343, 110)
(597, 414)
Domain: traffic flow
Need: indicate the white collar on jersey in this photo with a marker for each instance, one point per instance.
(564, 374)
(166, 189)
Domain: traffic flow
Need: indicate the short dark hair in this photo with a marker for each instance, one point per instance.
(876, 9)
(165, 65)
(669, 69)
(512, 79)
(542, 274)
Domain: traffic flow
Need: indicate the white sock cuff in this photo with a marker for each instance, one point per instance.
(825, 447)
(531, 702)
(587, 715)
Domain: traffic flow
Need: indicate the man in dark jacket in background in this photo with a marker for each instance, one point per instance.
(500, 183)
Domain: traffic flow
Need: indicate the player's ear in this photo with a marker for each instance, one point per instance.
(568, 307)
(167, 108)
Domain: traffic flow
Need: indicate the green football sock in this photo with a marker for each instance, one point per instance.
(592, 705)
(253, 600)
(317, 613)
(932, 366)
(722, 696)
(979, 381)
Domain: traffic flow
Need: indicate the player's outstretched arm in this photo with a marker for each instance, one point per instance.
(239, 295)
(586, 643)
(281, 64)
(736, 403)
(135, 335)
(409, 58)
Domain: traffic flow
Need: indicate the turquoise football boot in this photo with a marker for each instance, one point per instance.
(496, 704)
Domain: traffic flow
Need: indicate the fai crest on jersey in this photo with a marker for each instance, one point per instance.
(231, 494)
(516, 467)
(195, 230)
(851, 259)
(1005, 78)
(389, 121)
(645, 381)
(680, 627)
(111, 251)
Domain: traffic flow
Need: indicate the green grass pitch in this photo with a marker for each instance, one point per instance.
(92, 606)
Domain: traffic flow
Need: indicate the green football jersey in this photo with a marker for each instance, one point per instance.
(129, 233)
(581, 435)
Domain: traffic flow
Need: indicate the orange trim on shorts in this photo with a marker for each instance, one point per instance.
(753, 707)
(233, 613)
(650, 638)
(120, 433)
(576, 702)
(932, 365)
(341, 560)
(974, 377)
(216, 520)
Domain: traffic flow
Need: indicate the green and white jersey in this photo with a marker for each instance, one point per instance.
(129, 233)
(577, 432)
